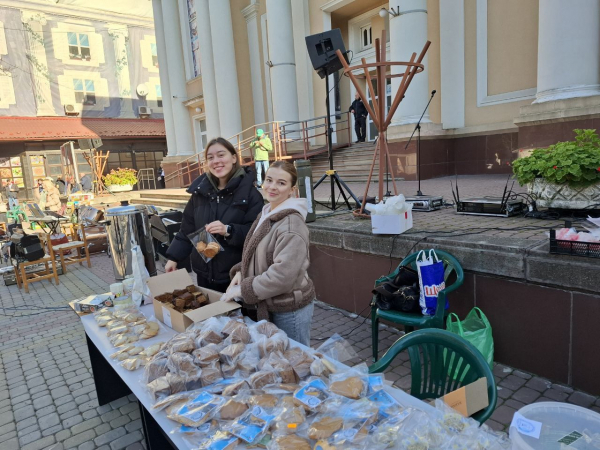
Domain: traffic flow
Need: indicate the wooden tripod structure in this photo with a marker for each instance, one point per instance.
(97, 160)
(377, 113)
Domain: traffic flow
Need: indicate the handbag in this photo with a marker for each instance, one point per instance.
(475, 329)
(58, 239)
(401, 294)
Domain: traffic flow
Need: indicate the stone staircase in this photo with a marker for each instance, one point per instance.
(352, 164)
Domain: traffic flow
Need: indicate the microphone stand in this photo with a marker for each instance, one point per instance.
(418, 130)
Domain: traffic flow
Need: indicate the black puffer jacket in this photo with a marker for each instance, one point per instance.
(236, 205)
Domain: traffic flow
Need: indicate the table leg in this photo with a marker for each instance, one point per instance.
(156, 438)
(109, 385)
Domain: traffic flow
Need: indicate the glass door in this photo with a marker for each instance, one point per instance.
(371, 129)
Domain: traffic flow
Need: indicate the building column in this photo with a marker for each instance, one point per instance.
(207, 70)
(408, 35)
(119, 39)
(163, 73)
(568, 50)
(225, 67)
(251, 15)
(34, 22)
(177, 79)
(281, 56)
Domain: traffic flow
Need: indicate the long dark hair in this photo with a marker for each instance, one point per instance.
(230, 148)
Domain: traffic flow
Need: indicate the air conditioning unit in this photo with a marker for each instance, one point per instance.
(71, 110)
(144, 111)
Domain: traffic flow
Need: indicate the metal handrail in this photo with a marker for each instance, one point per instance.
(283, 135)
(146, 175)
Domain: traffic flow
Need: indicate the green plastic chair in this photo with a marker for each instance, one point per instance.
(442, 355)
(411, 320)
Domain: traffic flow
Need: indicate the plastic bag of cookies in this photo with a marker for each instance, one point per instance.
(205, 244)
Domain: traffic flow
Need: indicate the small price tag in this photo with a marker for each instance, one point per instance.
(526, 426)
(570, 438)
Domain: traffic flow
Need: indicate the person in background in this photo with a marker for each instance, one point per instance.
(225, 202)
(50, 197)
(272, 276)
(61, 185)
(86, 183)
(12, 192)
(262, 145)
(360, 118)
(161, 177)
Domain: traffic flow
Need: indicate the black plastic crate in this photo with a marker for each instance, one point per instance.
(574, 248)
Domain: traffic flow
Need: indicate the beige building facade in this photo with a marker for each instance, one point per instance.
(508, 74)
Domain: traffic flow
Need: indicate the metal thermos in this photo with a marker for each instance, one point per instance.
(305, 187)
(127, 224)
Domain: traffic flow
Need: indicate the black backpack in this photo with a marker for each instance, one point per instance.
(28, 247)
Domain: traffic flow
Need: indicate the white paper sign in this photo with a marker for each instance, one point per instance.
(308, 194)
(526, 426)
(167, 317)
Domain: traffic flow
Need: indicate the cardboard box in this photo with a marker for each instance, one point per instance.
(93, 303)
(394, 224)
(469, 399)
(180, 279)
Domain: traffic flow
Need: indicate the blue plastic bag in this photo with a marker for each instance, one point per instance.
(431, 281)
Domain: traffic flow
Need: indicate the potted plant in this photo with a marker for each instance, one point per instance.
(120, 180)
(564, 175)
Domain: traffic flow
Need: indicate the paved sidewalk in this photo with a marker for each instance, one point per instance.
(47, 395)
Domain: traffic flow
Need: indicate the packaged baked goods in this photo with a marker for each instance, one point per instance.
(231, 353)
(324, 426)
(182, 363)
(211, 374)
(313, 393)
(336, 348)
(281, 366)
(263, 378)
(205, 244)
(193, 381)
(152, 350)
(252, 425)
(263, 400)
(237, 332)
(159, 388)
(209, 337)
(198, 410)
(266, 328)
(176, 382)
(156, 368)
(231, 409)
(290, 419)
(182, 343)
(206, 355)
(235, 388)
(150, 330)
(134, 362)
(351, 387)
(220, 441)
(278, 342)
(290, 442)
(300, 361)
(228, 370)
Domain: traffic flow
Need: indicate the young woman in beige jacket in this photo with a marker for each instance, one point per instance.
(272, 276)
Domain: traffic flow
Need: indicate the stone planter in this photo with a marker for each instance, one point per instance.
(551, 195)
(119, 188)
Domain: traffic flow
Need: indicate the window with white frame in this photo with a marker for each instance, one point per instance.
(79, 46)
(201, 134)
(158, 95)
(85, 92)
(154, 54)
(366, 37)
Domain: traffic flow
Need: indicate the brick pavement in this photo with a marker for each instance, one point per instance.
(47, 395)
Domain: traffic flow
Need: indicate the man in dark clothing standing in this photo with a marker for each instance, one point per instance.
(360, 118)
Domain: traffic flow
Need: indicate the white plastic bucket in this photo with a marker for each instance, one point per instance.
(558, 420)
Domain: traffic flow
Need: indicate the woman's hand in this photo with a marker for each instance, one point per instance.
(170, 266)
(232, 293)
(216, 227)
(237, 279)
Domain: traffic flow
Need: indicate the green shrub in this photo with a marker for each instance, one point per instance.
(120, 177)
(575, 163)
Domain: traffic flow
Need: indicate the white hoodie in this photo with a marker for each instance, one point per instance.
(298, 204)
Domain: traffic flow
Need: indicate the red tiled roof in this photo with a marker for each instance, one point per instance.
(52, 128)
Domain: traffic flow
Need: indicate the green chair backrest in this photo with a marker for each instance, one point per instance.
(441, 362)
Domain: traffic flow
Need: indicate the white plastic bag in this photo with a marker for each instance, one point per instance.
(140, 290)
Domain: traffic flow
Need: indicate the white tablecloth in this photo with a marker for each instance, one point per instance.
(133, 378)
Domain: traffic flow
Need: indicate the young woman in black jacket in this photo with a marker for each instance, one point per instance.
(225, 201)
